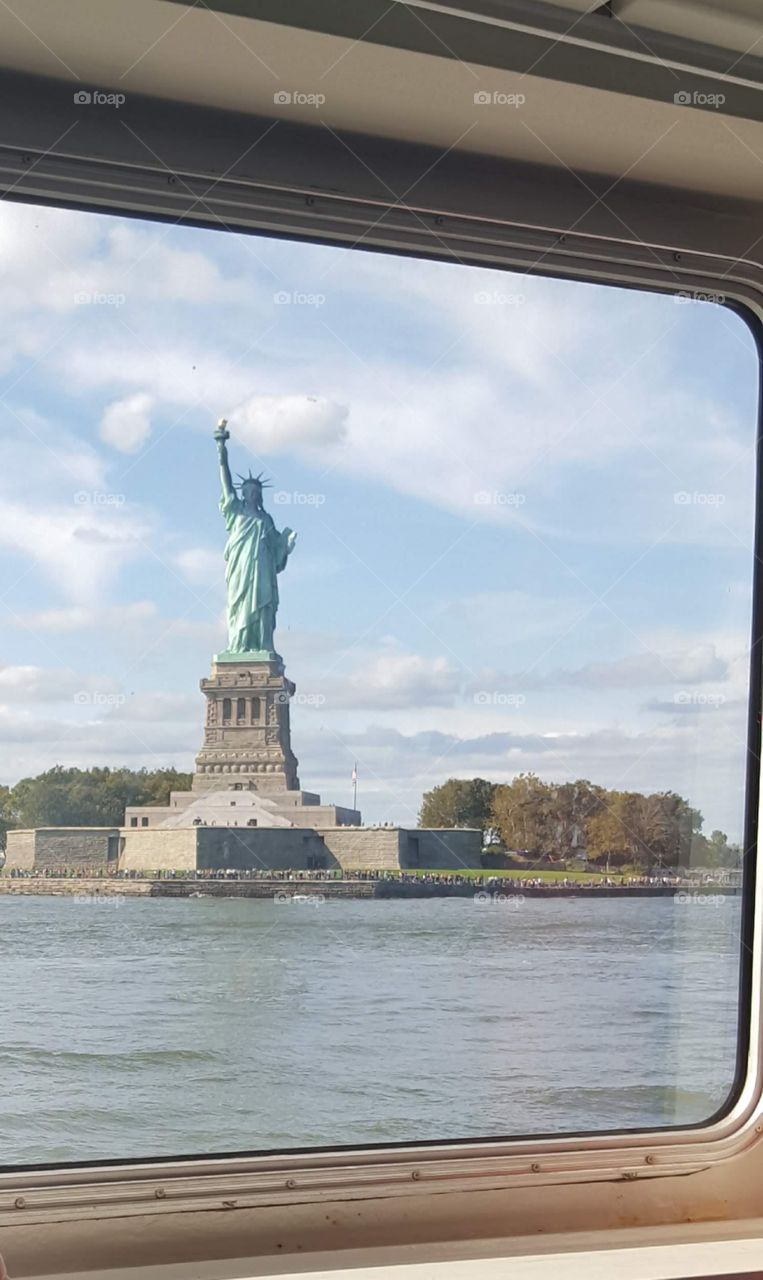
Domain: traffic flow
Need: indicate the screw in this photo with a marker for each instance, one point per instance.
(26, 159)
(20, 1202)
(310, 200)
(676, 257)
(535, 1168)
(160, 1193)
(415, 1174)
(171, 179)
(291, 1183)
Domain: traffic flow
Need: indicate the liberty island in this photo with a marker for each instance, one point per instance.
(246, 810)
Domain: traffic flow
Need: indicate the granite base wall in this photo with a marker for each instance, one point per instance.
(54, 848)
(149, 849)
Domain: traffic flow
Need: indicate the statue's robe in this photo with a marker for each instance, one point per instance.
(254, 554)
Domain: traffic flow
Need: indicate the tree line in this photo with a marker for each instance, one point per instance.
(84, 797)
(570, 820)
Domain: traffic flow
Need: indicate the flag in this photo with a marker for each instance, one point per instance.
(354, 773)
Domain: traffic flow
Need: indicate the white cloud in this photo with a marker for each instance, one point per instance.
(161, 707)
(392, 681)
(271, 423)
(50, 684)
(80, 617)
(202, 566)
(695, 665)
(81, 548)
(126, 424)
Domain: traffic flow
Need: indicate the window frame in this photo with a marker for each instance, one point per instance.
(165, 1184)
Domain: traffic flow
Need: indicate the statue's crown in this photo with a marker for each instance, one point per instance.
(250, 479)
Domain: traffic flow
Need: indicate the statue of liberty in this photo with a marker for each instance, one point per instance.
(255, 554)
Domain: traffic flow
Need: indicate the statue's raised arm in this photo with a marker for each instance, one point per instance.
(222, 435)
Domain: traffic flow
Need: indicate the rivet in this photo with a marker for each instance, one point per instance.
(676, 257)
(20, 1202)
(160, 1193)
(26, 159)
(439, 222)
(535, 1168)
(649, 1159)
(291, 1183)
(310, 200)
(415, 1174)
(171, 179)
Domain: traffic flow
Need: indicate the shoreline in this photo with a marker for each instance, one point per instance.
(94, 889)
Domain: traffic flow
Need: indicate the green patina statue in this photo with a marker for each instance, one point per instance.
(255, 554)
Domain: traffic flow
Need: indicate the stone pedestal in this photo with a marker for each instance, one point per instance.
(247, 739)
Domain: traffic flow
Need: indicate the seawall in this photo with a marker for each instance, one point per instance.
(104, 887)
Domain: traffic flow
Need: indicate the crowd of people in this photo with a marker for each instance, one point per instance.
(488, 880)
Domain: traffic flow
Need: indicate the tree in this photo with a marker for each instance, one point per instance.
(458, 802)
(717, 852)
(653, 831)
(545, 818)
(63, 797)
(523, 811)
(6, 814)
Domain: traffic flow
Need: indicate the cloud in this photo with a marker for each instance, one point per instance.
(126, 424)
(268, 424)
(81, 548)
(692, 704)
(696, 665)
(395, 680)
(202, 566)
(81, 618)
(40, 684)
(163, 708)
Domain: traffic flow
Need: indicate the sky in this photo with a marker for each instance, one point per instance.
(524, 511)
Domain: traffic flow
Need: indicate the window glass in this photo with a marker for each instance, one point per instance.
(485, 715)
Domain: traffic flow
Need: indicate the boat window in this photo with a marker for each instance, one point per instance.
(473, 553)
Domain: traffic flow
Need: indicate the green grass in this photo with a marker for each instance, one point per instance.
(574, 877)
